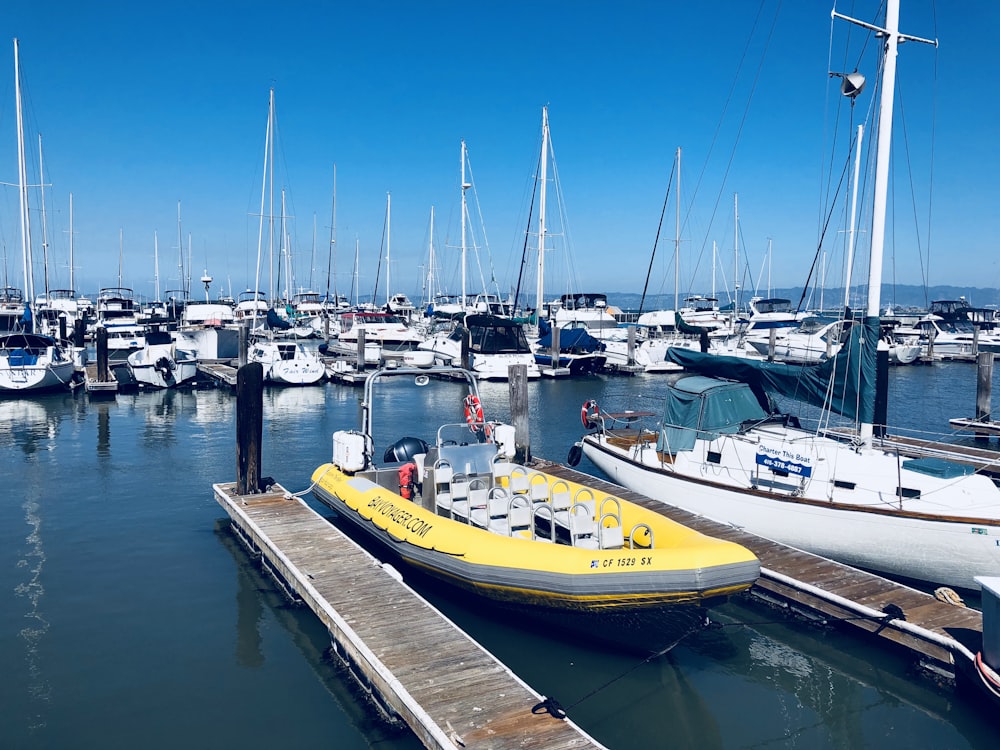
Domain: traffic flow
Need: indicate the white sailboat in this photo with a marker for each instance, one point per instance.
(720, 453)
(28, 361)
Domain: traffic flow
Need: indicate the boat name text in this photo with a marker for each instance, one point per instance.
(400, 516)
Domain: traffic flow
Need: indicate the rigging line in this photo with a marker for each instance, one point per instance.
(746, 110)
(826, 226)
(656, 241)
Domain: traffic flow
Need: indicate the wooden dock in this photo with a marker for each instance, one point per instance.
(220, 371)
(942, 638)
(415, 662)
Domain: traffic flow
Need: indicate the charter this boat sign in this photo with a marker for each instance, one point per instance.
(781, 458)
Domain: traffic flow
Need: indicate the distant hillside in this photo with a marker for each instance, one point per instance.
(902, 297)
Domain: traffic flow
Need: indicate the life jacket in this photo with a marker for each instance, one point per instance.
(407, 480)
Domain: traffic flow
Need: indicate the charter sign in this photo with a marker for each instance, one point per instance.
(784, 459)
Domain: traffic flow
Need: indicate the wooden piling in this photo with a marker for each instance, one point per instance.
(555, 346)
(466, 356)
(518, 390)
(361, 349)
(244, 345)
(249, 427)
(631, 345)
(984, 389)
(79, 332)
(102, 354)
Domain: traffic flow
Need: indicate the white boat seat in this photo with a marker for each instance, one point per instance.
(583, 528)
(519, 481)
(502, 469)
(538, 488)
(560, 495)
(611, 536)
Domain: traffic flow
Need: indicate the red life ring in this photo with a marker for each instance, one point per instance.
(473, 412)
(590, 414)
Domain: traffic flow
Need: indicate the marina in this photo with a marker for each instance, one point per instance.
(421, 500)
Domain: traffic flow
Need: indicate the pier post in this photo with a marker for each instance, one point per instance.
(631, 345)
(102, 354)
(244, 345)
(771, 336)
(62, 328)
(79, 332)
(975, 340)
(466, 356)
(555, 346)
(518, 389)
(361, 349)
(984, 388)
(249, 427)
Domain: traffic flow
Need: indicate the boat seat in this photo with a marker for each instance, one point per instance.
(584, 498)
(501, 469)
(583, 529)
(560, 495)
(503, 513)
(519, 480)
(538, 488)
(542, 511)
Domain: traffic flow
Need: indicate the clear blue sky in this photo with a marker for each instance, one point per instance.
(142, 105)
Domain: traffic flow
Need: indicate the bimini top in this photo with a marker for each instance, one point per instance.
(699, 406)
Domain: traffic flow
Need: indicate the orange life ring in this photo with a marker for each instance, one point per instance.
(590, 414)
(473, 412)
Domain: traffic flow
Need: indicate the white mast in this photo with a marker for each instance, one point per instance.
(736, 253)
(465, 186)
(72, 285)
(543, 175)
(677, 239)
(22, 170)
(850, 230)
(45, 231)
(388, 242)
(429, 297)
(156, 265)
(892, 38)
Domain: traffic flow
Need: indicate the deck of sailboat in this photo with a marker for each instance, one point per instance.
(827, 591)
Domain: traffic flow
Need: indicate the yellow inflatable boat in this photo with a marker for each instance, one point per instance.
(466, 514)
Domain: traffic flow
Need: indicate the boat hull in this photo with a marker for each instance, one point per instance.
(941, 550)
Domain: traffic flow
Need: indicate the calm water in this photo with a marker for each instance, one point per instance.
(129, 617)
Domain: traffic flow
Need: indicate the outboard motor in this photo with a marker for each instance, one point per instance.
(404, 449)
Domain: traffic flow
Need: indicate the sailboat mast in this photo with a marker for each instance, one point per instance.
(465, 186)
(22, 171)
(388, 244)
(851, 228)
(156, 265)
(736, 253)
(45, 231)
(543, 176)
(72, 285)
(677, 238)
(890, 34)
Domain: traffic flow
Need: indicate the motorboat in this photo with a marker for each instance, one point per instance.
(460, 509)
(161, 363)
(495, 343)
